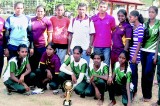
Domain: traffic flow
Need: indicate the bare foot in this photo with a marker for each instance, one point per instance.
(144, 100)
(100, 102)
(113, 102)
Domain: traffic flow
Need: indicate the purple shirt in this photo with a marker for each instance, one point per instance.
(137, 37)
(39, 31)
(103, 31)
(121, 32)
(2, 21)
(52, 62)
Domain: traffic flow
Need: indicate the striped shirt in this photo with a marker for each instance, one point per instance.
(137, 37)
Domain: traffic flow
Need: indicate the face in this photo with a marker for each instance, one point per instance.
(121, 17)
(121, 58)
(40, 12)
(102, 8)
(82, 11)
(50, 51)
(60, 11)
(19, 9)
(132, 19)
(97, 60)
(23, 52)
(76, 55)
(152, 13)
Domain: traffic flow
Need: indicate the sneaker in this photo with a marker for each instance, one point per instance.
(37, 91)
(55, 92)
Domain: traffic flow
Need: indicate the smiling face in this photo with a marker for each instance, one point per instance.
(121, 17)
(40, 12)
(19, 9)
(152, 13)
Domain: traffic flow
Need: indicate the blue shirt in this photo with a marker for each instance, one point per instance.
(17, 25)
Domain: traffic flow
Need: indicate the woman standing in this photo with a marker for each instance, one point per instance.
(60, 33)
(138, 31)
(42, 35)
(120, 36)
(148, 53)
(17, 28)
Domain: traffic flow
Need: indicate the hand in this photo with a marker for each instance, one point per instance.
(21, 79)
(155, 59)
(134, 58)
(6, 52)
(49, 74)
(110, 81)
(91, 79)
(88, 51)
(26, 87)
(31, 51)
(74, 79)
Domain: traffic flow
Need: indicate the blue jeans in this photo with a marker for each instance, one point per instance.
(106, 52)
(148, 70)
(158, 78)
(1, 59)
(134, 68)
(61, 54)
(84, 56)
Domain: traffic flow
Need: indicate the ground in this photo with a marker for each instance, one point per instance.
(49, 99)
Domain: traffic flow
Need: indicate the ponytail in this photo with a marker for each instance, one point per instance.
(141, 19)
(137, 14)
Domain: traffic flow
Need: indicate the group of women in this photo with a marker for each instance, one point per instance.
(36, 48)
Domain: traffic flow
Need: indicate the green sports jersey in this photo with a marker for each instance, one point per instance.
(13, 67)
(77, 67)
(150, 45)
(103, 70)
(120, 74)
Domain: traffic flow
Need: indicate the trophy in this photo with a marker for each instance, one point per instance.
(68, 86)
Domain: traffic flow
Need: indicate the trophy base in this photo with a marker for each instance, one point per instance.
(67, 103)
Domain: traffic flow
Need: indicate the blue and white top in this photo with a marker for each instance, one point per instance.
(17, 25)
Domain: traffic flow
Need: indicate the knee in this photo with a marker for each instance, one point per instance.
(53, 85)
(78, 91)
(89, 93)
(21, 90)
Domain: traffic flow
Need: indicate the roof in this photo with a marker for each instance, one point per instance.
(134, 2)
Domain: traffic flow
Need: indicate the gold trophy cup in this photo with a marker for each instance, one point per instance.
(68, 86)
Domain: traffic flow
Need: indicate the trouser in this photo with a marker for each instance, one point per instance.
(79, 89)
(100, 84)
(148, 70)
(12, 51)
(61, 54)
(42, 75)
(106, 52)
(123, 89)
(158, 78)
(114, 58)
(34, 60)
(28, 79)
(134, 68)
(1, 59)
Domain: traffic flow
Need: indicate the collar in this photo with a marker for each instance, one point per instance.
(106, 14)
(86, 17)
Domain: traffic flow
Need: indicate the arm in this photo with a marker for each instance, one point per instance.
(128, 36)
(14, 78)
(69, 42)
(64, 65)
(128, 93)
(126, 45)
(79, 80)
(156, 52)
(49, 36)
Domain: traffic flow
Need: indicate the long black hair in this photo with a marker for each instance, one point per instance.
(137, 14)
(79, 48)
(99, 54)
(19, 59)
(126, 54)
(124, 12)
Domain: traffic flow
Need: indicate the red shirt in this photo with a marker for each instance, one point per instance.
(60, 30)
